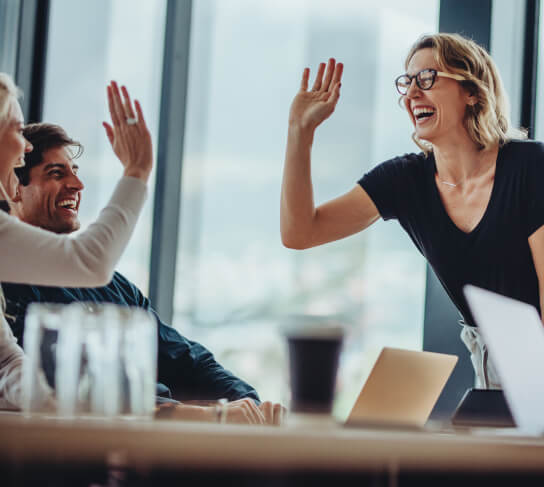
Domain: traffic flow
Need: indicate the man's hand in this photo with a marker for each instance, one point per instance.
(274, 413)
(242, 411)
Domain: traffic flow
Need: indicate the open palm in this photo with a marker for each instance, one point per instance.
(310, 108)
(128, 134)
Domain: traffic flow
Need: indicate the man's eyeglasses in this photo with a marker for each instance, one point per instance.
(424, 80)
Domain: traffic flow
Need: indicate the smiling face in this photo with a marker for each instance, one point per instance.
(13, 145)
(438, 113)
(51, 198)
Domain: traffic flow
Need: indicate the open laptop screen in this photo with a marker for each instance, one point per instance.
(514, 335)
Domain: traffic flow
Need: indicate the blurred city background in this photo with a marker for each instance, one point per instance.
(235, 282)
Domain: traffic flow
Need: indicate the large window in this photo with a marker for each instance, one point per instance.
(539, 122)
(507, 42)
(91, 43)
(235, 281)
(9, 23)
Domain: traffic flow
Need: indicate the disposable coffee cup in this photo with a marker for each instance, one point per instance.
(314, 346)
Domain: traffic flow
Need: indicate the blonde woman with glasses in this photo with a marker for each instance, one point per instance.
(32, 255)
(471, 201)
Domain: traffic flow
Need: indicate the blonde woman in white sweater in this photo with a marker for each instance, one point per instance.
(32, 255)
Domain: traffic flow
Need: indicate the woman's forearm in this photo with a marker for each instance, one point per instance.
(297, 200)
(39, 257)
(308, 110)
(12, 360)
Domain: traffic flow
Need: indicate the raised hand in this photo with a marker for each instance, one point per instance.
(128, 134)
(310, 108)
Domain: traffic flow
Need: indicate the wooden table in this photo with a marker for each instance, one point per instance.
(233, 452)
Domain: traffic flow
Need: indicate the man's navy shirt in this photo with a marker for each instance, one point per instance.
(187, 368)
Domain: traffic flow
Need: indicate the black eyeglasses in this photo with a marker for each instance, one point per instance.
(424, 80)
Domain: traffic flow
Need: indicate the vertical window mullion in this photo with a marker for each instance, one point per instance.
(166, 209)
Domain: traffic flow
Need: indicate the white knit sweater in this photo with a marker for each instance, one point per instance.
(31, 255)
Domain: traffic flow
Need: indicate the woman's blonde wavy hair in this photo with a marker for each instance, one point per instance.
(487, 121)
(8, 91)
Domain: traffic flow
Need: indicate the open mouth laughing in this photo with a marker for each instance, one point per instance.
(423, 114)
(69, 204)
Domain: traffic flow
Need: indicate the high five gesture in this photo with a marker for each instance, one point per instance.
(310, 108)
(128, 133)
(302, 224)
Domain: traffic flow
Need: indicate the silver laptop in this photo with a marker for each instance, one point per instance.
(402, 389)
(514, 335)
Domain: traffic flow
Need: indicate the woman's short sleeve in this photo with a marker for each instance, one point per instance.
(389, 181)
(535, 182)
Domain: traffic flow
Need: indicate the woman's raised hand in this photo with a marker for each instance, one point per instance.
(310, 108)
(128, 134)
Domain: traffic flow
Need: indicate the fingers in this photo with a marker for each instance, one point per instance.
(238, 413)
(328, 76)
(334, 94)
(333, 75)
(249, 410)
(120, 109)
(254, 411)
(111, 105)
(109, 131)
(318, 77)
(250, 415)
(117, 104)
(338, 71)
(279, 413)
(129, 112)
(267, 408)
(273, 412)
(305, 79)
(139, 111)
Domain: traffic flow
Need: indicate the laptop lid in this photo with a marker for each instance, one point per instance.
(402, 388)
(514, 335)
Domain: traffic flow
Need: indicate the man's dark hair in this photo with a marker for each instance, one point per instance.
(44, 136)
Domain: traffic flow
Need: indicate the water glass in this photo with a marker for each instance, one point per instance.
(101, 359)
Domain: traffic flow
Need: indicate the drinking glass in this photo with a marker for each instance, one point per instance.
(43, 323)
(101, 359)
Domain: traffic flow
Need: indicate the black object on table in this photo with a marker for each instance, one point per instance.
(483, 407)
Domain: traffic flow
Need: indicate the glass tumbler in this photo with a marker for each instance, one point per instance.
(119, 363)
(101, 359)
(51, 337)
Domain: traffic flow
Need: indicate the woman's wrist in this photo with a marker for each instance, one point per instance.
(301, 129)
(301, 132)
(137, 173)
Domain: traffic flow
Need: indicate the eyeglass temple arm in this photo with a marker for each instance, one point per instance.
(457, 77)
